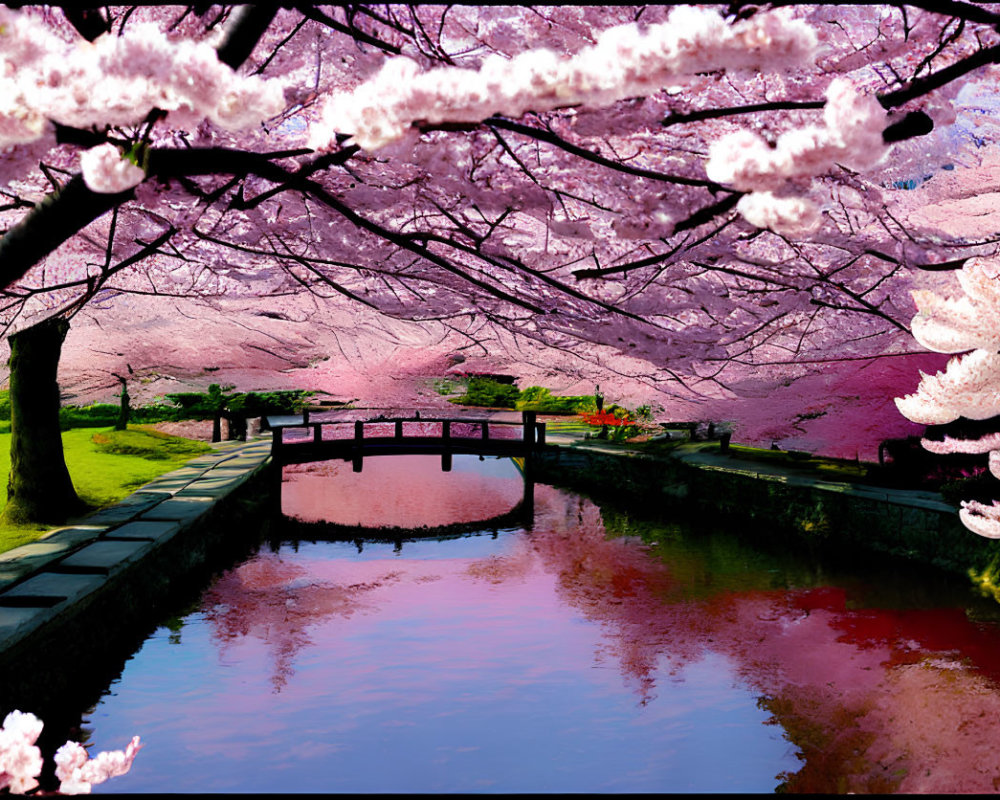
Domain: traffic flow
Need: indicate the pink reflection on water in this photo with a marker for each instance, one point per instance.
(397, 492)
(874, 699)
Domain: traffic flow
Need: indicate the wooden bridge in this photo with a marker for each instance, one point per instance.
(299, 440)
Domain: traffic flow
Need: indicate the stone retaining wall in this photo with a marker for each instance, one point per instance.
(914, 525)
(144, 564)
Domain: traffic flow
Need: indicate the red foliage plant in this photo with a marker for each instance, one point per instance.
(604, 418)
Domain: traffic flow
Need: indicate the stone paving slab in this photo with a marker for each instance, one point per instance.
(39, 549)
(180, 509)
(131, 506)
(168, 486)
(213, 485)
(143, 530)
(206, 491)
(69, 588)
(209, 461)
(229, 470)
(77, 535)
(106, 556)
(19, 563)
(246, 461)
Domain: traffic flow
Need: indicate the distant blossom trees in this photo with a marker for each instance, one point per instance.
(701, 199)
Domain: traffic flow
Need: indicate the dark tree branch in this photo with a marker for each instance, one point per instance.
(732, 111)
(89, 22)
(244, 33)
(316, 15)
(551, 138)
(915, 123)
(926, 85)
(708, 213)
(53, 220)
(951, 8)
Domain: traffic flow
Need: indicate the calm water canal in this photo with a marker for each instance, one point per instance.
(583, 651)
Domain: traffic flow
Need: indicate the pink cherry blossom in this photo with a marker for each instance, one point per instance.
(20, 759)
(77, 772)
(105, 170)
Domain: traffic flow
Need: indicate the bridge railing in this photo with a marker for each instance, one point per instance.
(292, 432)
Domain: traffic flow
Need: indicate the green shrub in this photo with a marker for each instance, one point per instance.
(205, 405)
(981, 487)
(155, 412)
(486, 392)
(258, 404)
(96, 415)
(541, 400)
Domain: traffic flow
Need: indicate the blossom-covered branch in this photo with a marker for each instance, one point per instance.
(626, 61)
(21, 760)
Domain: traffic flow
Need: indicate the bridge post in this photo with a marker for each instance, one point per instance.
(276, 445)
(317, 435)
(446, 430)
(305, 416)
(399, 429)
(446, 461)
(540, 433)
(486, 430)
(359, 442)
(528, 421)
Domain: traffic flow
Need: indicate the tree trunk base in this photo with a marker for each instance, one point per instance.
(39, 488)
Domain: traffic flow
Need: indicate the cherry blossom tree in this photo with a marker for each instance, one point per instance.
(699, 198)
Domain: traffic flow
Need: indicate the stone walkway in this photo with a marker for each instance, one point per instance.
(40, 580)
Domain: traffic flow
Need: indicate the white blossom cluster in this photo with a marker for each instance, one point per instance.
(21, 760)
(851, 135)
(117, 80)
(626, 61)
(105, 171)
(970, 385)
(77, 772)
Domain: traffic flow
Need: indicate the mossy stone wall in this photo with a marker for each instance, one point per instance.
(811, 511)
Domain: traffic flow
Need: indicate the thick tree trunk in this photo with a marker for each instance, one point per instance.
(39, 488)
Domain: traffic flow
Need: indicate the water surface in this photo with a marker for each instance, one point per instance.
(589, 651)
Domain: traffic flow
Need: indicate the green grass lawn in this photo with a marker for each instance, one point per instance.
(105, 465)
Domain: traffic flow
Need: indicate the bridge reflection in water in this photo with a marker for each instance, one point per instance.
(405, 498)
